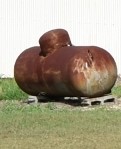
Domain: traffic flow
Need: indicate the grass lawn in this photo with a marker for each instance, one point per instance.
(25, 126)
(38, 127)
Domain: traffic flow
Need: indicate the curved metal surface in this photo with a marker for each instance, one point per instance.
(69, 71)
(25, 70)
(53, 40)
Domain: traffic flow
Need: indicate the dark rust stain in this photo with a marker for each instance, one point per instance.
(89, 58)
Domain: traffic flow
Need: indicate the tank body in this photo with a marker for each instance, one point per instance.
(87, 71)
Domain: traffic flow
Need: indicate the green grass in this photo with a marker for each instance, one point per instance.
(117, 91)
(36, 127)
(9, 90)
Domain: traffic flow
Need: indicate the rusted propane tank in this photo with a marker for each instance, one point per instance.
(25, 70)
(53, 40)
(69, 71)
(77, 71)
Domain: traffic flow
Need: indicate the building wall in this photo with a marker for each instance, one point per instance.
(89, 22)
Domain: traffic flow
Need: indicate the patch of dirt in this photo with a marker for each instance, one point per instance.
(75, 103)
(69, 104)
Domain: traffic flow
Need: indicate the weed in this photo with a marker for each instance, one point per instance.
(9, 90)
(116, 91)
(51, 106)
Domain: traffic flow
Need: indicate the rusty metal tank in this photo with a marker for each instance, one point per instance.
(53, 40)
(87, 71)
(25, 70)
